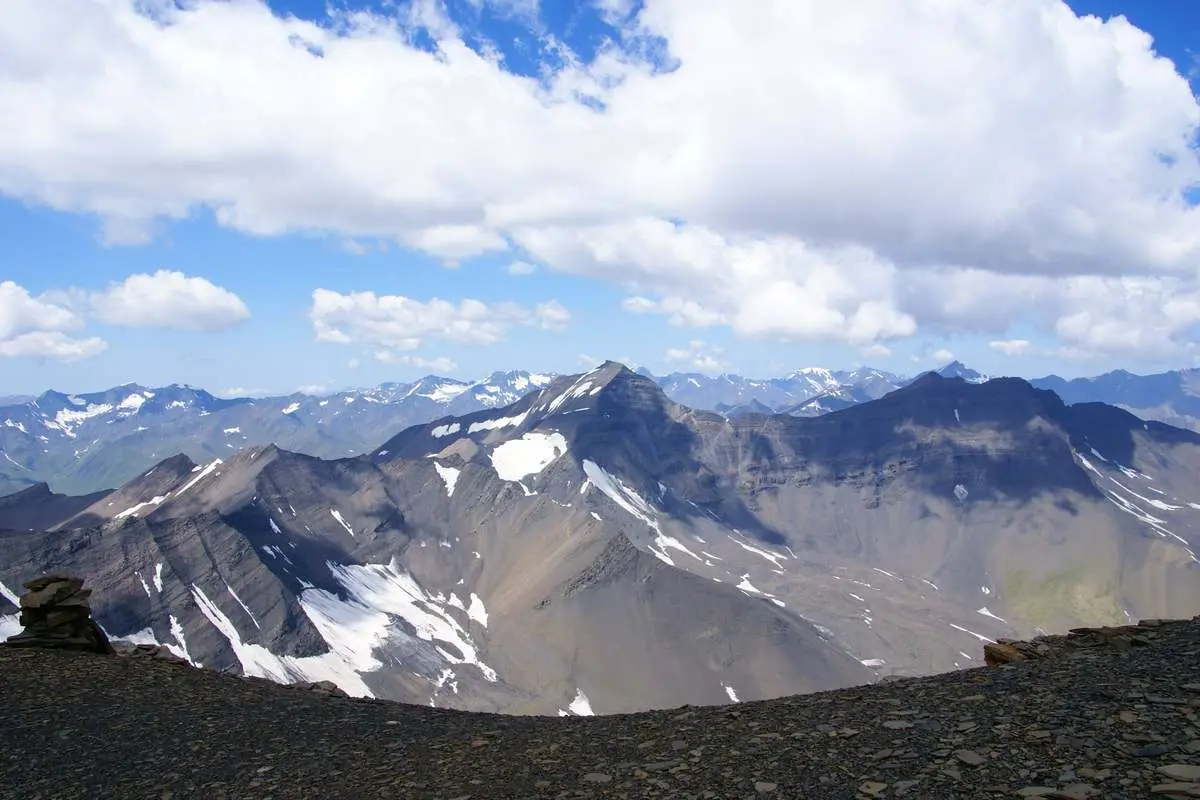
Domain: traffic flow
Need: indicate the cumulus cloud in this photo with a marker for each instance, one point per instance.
(169, 299)
(943, 356)
(699, 356)
(1010, 347)
(399, 323)
(439, 364)
(36, 326)
(52, 344)
(519, 267)
(859, 221)
(679, 312)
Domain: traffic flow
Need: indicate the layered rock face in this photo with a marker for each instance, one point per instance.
(56, 613)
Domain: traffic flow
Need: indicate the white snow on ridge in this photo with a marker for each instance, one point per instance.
(445, 392)
(889, 574)
(1159, 504)
(618, 492)
(353, 629)
(17, 464)
(978, 636)
(445, 430)
(984, 611)
(581, 706)
(203, 473)
(529, 455)
(245, 607)
(495, 424)
(774, 558)
(8, 423)
(180, 647)
(8, 595)
(477, 611)
(232, 430)
(292, 408)
(729, 691)
(632, 502)
(341, 520)
(449, 475)
(10, 625)
(133, 510)
(67, 419)
(258, 661)
(133, 402)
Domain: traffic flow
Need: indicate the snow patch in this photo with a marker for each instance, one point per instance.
(341, 520)
(180, 647)
(581, 706)
(529, 455)
(291, 408)
(449, 476)
(204, 472)
(978, 636)
(874, 663)
(8, 595)
(477, 611)
(984, 611)
(729, 691)
(774, 558)
(158, 584)
(245, 607)
(133, 510)
(445, 430)
(496, 424)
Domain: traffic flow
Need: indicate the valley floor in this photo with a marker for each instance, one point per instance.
(1104, 723)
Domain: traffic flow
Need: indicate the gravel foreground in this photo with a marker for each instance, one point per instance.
(1105, 722)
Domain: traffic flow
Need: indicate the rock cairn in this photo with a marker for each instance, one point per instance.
(55, 613)
(1122, 637)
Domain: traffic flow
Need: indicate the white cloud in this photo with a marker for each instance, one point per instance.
(169, 300)
(943, 356)
(439, 364)
(22, 313)
(242, 391)
(1010, 347)
(868, 198)
(519, 267)
(36, 326)
(680, 313)
(698, 356)
(401, 323)
(877, 351)
(52, 344)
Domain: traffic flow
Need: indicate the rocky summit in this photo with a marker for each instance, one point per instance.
(1094, 722)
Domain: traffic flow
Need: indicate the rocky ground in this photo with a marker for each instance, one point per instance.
(1108, 715)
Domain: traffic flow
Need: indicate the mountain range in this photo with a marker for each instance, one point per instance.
(89, 442)
(597, 547)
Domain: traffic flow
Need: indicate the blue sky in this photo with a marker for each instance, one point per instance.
(714, 187)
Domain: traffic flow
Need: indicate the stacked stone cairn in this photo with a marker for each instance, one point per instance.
(56, 613)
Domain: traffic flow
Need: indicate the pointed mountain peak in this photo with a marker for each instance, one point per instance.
(957, 369)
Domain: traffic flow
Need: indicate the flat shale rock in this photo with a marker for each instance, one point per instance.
(1087, 722)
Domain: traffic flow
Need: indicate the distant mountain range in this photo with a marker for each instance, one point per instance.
(597, 547)
(95, 441)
